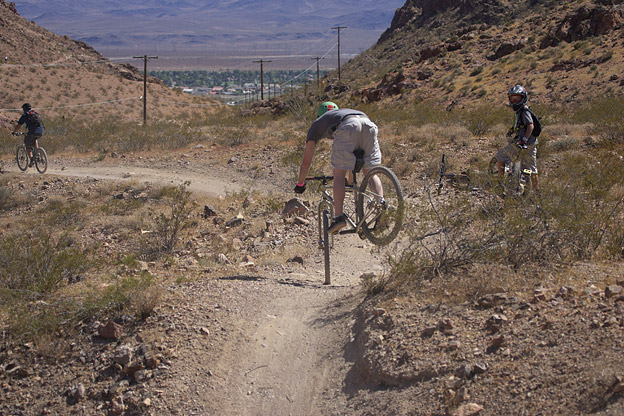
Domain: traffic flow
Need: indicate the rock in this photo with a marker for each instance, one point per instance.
(117, 407)
(208, 212)
(492, 300)
(123, 354)
(498, 341)
(495, 322)
(237, 220)
(507, 48)
(613, 290)
(110, 331)
(232, 160)
(151, 361)
(222, 259)
(446, 326)
(132, 367)
(294, 207)
(470, 409)
(296, 259)
(454, 345)
(76, 394)
(248, 202)
(428, 331)
(301, 221)
(539, 295)
(479, 368)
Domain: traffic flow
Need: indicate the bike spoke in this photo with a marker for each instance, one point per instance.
(381, 206)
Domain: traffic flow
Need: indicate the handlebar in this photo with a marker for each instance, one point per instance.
(18, 133)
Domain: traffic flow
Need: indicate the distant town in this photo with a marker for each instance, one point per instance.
(239, 86)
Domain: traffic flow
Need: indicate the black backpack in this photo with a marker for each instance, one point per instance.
(537, 125)
(34, 118)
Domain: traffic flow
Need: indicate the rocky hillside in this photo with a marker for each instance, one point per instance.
(462, 51)
(60, 75)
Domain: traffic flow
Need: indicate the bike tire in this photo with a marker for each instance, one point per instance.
(516, 184)
(381, 223)
(41, 160)
(324, 205)
(21, 156)
(493, 166)
(326, 246)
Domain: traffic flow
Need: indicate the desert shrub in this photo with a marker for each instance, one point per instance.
(35, 264)
(478, 120)
(136, 294)
(580, 220)
(607, 116)
(67, 214)
(234, 136)
(168, 225)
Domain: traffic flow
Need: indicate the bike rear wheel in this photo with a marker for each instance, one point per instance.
(326, 245)
(493, 166)
(21, 157)
(381, 210)
(41, 159)
(517, 181)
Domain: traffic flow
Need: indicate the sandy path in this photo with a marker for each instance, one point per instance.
(279, 344)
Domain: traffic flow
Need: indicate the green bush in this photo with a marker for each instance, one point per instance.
(580, 220)
(169, 225)
(480, 119)
(33, 265)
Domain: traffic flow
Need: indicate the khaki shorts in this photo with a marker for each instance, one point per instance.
(353, 133)
(529, 159)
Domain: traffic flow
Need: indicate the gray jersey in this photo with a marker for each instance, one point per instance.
(324, 126)
(523, 119)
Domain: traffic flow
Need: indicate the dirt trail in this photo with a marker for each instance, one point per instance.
(271, 344)
(202, 183)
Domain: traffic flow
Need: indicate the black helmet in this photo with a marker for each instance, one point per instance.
(518, 90)
(26, 107)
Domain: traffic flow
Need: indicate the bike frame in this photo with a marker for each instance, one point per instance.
(327, 202)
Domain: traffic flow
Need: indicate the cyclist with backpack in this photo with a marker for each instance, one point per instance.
(524, 131)
(350, 130)
(34, 124)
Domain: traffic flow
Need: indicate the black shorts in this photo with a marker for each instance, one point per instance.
(29, 139)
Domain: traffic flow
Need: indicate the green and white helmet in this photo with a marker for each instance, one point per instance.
(325, 107)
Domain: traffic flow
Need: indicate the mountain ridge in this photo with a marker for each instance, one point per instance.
(247, 22)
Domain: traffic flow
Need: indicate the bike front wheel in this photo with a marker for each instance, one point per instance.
(41, 159)
(380, 206)
(326, 245)
(22, 157)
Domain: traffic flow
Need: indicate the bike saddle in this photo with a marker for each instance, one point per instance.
(359, 161)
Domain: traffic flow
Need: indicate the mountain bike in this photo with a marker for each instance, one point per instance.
(39, 156)
(517, 180)
(373, 215)
(461, 181)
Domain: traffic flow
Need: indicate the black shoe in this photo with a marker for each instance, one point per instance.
(338, 223)
(32, 163)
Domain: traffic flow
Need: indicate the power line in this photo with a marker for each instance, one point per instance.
(76, 105)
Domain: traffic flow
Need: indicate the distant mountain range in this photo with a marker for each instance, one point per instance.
(280, 26)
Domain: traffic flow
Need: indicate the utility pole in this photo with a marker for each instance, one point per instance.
(261, 62)
(339, 27)
(145, 59)
(318, 70)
